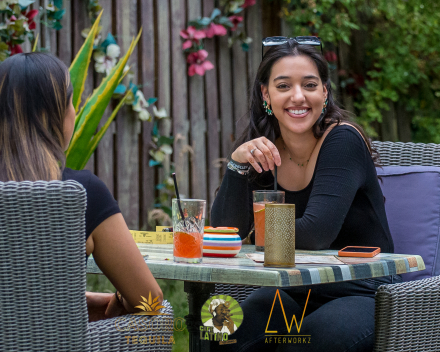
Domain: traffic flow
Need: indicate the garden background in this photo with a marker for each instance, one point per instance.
(383, 56)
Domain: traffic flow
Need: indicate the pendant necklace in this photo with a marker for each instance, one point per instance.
(300, 164)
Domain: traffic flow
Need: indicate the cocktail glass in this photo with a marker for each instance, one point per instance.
(261, 198)
(188, 232)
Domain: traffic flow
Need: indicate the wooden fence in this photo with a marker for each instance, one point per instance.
(207, 113)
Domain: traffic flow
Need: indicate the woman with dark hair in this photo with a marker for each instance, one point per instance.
(37, 120)
(326, 168)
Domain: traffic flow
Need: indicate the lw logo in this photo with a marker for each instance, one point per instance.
(286, 338)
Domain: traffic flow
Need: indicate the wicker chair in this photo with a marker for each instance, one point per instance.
(407, 314)
(43, 276)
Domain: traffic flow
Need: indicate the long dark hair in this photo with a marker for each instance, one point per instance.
(35, 92)
(263, 125)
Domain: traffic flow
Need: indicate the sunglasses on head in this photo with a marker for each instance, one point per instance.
(272, 41)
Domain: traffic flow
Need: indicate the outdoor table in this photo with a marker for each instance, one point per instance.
(200, 279)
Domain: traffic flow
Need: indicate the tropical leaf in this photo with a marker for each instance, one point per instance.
(140, 307)
(154, 305)
(97, 137)
(146, 300)
(159, 307)
(155, 300)
(80, 65)
(150, 301)
(147, 307)
(88, 120)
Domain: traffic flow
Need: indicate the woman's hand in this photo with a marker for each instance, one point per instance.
(259, 150)
(103, 306)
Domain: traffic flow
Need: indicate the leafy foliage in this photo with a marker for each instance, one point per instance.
(402, 62)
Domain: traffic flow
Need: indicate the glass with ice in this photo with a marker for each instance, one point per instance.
(261, 198)
(188, 232)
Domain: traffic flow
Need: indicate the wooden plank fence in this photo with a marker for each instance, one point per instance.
(207, 113)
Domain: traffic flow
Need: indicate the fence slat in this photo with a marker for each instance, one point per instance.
(164, 76)
(253, 22)
(105, 151)
(128, 126)
(198, 123)
(147, 77)
(240, 89)
(225, 97)
(65, 37)
(179, 103)
(211, 94)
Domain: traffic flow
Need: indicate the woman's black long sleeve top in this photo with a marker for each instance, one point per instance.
(343, 204)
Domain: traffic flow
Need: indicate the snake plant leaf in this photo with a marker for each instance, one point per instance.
(88, 120)
(79, 67)
(96, 139)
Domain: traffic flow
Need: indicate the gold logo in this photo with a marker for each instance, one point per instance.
(150, 306)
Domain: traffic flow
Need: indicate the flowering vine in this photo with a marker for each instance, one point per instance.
(215, 25)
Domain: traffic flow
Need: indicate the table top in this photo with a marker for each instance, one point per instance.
(243, 271)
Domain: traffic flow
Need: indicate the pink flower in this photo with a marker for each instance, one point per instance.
(15, 49)
(192, 34)
(248, 3)
(30, 17)
(236, 20)
(215, 29)
(331, 56)
(198, 63)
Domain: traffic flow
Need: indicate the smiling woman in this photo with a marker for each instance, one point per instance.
(325, 166)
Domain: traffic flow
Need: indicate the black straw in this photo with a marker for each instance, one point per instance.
(178, 198)
(275, 185)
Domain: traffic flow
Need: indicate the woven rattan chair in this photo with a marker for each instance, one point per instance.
(43, 276)
(407, 314)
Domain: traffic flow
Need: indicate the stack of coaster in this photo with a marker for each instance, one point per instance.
(221, 242)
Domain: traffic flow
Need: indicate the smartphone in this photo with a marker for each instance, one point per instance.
(359, 251)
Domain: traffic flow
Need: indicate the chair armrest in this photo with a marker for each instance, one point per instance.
(133, 332)
(408, 316)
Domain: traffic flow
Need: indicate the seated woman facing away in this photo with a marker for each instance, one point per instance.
(37, 120)
(326, 168)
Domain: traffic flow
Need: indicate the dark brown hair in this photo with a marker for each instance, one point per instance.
(35, 92)
(261, 124)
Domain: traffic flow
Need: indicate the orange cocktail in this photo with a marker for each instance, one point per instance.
(261, 198)
(188, 227)
(188, 245)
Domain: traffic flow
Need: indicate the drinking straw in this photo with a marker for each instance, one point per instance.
(275, 183)
(178, 198)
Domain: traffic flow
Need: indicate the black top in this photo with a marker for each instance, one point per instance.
(342, 206)
(100, 202)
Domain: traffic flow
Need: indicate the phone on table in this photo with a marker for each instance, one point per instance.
(359, 251)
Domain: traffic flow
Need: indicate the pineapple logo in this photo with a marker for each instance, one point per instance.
(150, 306)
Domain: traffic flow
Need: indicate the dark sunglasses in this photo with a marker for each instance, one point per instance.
(272, 41)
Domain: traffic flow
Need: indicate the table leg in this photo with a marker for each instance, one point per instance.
(198, 293)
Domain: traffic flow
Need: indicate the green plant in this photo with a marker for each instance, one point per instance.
(399, 65)
(85, 138)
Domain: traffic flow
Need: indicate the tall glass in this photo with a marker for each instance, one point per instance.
(261, 198)
(188, 232)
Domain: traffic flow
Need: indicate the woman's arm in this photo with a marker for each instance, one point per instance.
(340, 173)
(117, 255)
(233, 203)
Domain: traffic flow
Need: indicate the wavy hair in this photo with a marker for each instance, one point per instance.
(35, 92)
(263, 125)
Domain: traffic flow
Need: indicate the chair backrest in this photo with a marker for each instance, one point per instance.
(411, 186)
(42, 266)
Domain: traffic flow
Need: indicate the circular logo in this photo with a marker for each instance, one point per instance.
(222, 313)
